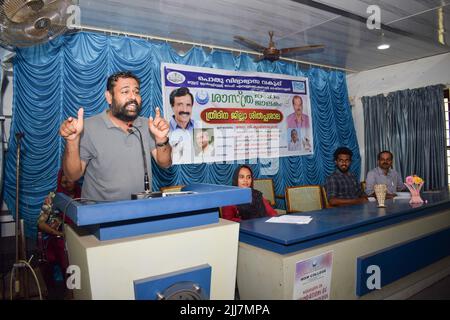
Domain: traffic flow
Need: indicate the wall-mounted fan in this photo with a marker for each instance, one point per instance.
(25, 23)
(270, 52)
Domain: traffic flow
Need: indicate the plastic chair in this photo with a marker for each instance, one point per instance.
(267, 189)
(172, 188)
(326, 204)
(304, 198)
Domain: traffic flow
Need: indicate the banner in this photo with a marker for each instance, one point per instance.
(220, 115)
(313, 278)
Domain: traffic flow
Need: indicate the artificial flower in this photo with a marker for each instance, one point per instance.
(415, 182)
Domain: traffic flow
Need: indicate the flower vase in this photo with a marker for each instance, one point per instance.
(415, 194)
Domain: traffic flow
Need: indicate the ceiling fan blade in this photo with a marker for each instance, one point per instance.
(56, 11)
(249, 43)
(303, 48)
(259, 58)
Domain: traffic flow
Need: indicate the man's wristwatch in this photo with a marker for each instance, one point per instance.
(163, 144)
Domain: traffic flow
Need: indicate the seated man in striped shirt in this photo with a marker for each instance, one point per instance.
(342, 187)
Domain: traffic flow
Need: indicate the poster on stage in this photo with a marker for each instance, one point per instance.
(221, 115)
(313, 278)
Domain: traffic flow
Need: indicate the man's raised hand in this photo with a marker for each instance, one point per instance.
(159, 127)
(72, 127)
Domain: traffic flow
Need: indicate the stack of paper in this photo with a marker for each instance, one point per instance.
(403, 195)
(291, 219)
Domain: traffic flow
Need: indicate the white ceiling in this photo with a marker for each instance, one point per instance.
(414, 28)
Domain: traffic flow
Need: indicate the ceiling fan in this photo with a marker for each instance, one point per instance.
(270, 52)
(25, 23)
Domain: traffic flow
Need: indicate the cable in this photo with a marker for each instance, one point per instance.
(27, 264)
(69, 203)
(35, 277)
(16, 265)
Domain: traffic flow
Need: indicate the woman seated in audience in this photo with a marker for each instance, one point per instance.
(259, 207)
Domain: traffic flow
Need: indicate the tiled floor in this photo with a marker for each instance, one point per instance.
(438, 291)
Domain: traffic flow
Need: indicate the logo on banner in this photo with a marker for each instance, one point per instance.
(202, 97)
(299, 87)
(176, 77)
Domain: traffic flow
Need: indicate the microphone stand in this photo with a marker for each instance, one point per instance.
(20, 239)
(21, 280)
(19, 136)
(146, 178)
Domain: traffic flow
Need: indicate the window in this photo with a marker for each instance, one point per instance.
(447, 130)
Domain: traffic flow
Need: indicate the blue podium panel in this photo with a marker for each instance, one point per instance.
(117, 219)
(187, 284)
(336, 223)
(400, 260)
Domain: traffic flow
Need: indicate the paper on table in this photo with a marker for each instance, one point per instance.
(290, 219)
(403, 195)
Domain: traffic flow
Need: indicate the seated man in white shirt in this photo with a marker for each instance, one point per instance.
(384, 174)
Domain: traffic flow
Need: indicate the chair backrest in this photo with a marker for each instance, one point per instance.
(303, 198)
(171, 188)
(267, 189)
(363, 186)
(325, 198)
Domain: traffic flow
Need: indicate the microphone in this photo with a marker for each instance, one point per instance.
(146, 179)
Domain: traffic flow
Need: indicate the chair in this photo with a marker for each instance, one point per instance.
(268, 191)
(326, 204)
(172, 188)
(303, 198)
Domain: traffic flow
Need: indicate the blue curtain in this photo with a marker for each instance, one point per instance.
(411, 124)
(53, 80)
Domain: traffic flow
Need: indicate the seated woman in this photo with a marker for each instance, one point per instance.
(259, 207)
(50, 223)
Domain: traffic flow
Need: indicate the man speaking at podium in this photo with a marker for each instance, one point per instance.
(112, 149)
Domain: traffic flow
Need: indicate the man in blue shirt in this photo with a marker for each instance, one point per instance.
(384, 174)
(342, 187)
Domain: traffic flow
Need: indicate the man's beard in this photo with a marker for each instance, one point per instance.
(120, 112)
(385, 167)
(346, 170)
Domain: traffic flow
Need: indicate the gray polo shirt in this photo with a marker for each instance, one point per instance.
(114, 164)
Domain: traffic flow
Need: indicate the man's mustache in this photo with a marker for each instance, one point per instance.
(131, 102)
(181, 113)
